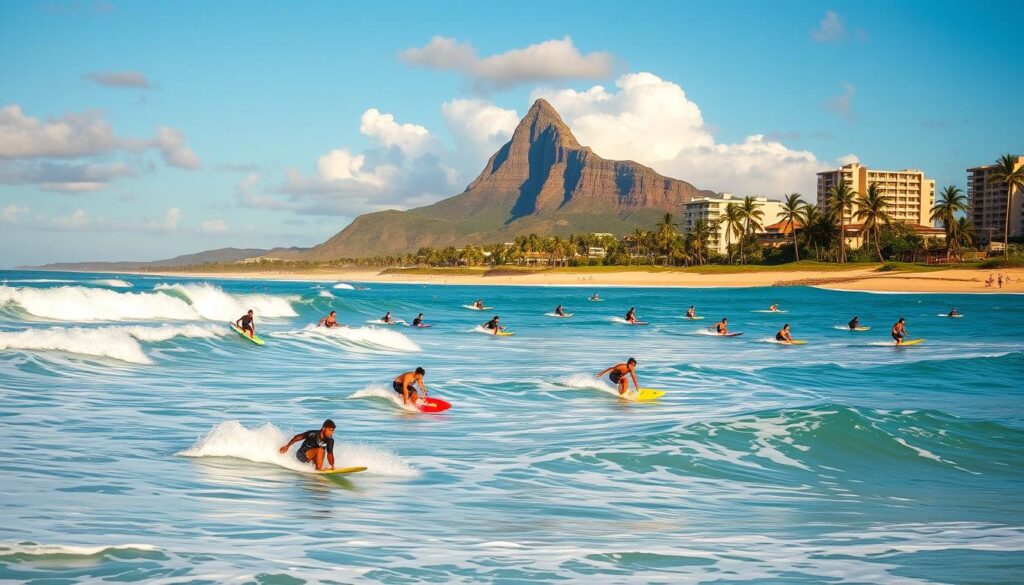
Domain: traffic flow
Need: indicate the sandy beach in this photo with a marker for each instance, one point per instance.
(861, 279)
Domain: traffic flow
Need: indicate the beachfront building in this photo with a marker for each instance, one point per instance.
(711, 210)
(909, 195)
(987, 200)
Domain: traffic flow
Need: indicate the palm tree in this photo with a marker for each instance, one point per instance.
(951, 202)
(840, 199)
(792, 208)
(667, 235)
(751, 213)
(699, 237)
(733, 220)
(965, 230)
(871, 212)
(1014, 179)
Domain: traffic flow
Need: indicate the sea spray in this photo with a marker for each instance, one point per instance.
(213, 303)
(262, 445)
(355, 338)
(120, 343)
(384, 393)
(79, 303)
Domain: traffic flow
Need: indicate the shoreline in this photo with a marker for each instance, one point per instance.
(957, 280)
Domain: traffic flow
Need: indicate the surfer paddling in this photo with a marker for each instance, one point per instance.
(953, 313)
(315, 444)
(246, 324)
(418, 321)
(722, 327)
(783, 336)
(406, 384)
(329, 321)
(899, 330)
(595, 297)
(618, 375)
(494, 325)
(631, 315)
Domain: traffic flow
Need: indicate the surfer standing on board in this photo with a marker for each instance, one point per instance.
(618, 375)
(631, 315)
(406, 385)
(899, 330)
(329, 321)
(314, 445)
(245, 324)
(722, 327)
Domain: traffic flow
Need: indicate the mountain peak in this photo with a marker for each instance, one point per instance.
(543, 120)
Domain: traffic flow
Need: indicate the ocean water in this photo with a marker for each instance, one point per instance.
(139, 436)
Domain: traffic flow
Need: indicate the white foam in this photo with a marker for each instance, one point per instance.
(381, 322)
(382, 392)
(565, 316)
(120, 343)
(262, 444)
(77, 303)
(112, 282)
(767, 311)
(38, 280)
(35, 549)
(343, 286)
(212, 303)
(587, 382)
(326, 294)
(357, 337)
(472, 308)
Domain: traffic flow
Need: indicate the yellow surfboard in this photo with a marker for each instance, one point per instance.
(910, 342)
(255, 338)
(341, 470)
(644, 395)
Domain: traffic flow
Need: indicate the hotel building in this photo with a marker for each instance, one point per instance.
(908, 194)
(987, 200)
(711, 210)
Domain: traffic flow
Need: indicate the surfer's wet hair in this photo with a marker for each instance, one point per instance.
(328, 424)
(631, 361)
(420, 371)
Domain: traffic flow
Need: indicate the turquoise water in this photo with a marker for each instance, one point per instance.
(139, 436)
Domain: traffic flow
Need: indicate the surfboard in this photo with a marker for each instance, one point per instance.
(861, 329)
(909, 342)
(424, 326)
(472, 308)
(255, 338)
(565, 316)
(731, 334)
(644, 395)
(505, 334)
(637, 323)
(431, 404)
(341, 470)
(795, 342)
(692, 318)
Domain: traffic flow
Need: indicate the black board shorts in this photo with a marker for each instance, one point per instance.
(301, 456)
(615, 377)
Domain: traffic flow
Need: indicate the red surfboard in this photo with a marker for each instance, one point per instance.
(431, 404)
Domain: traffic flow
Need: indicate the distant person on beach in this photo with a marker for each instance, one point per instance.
(691, 313)
(329, 321)
(386, 318)
(988, 281)
(953, 313)
(406, 385)
(722, 327)
(478, 304)
(783, 335)
(774, 308)
(855, 322)
(315, 444)
(559, 311)
(245, 323)
(631, 315)
(493, 324)
(418, 321)
(618, 375)
(1000, 281)
(899, 330)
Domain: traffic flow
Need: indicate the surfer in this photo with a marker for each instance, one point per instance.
(406, 385)
(559, 311)
(314, 445)
(722, 327)
(631, 315)
(418, 321)
(246, 324)
(386, 318)
(618, 375)
(854, 323)
(953, 313)
(595, 297)
(478, 304)
(691, 313)
(783, 335)
(329, 321)
(493, 324)
(774, 308)
(899, 330)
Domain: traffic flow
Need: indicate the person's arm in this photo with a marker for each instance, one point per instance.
(603, 372)
(423, 388)
(632, 374)
(330, 452)
(405, 391)
(294, 440)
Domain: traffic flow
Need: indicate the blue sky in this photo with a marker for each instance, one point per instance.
(138, 131)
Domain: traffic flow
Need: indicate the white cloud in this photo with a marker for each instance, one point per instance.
(555, 59)
(478, 126)
(167, 223)
(213, 227)
(12, 212)
(412, 139)
(31, 144)
(830, 29)
(842, 104)
(653, 122)
(129, 79)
